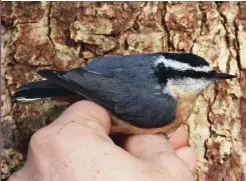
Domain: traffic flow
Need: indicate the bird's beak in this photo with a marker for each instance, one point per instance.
(223, 76)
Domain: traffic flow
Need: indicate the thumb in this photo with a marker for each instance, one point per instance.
(86, 114)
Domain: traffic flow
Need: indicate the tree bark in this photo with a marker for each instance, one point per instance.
(65, 35)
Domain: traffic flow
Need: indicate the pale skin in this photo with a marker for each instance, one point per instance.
(77, 147)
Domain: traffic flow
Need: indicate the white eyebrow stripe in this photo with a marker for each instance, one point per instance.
(180, 65)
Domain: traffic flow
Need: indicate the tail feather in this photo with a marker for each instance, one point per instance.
(38, 90)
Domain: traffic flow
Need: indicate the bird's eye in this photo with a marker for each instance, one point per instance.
(211, 74)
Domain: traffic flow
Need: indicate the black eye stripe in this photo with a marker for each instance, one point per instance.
(163, 73)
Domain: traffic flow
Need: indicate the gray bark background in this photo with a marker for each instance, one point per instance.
(65, 35)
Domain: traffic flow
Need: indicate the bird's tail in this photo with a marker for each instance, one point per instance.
(38, 90)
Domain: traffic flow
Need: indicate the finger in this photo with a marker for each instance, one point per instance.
(88, 114)
(155, 149)
(179, 138)
(147, 146)
(188, 156)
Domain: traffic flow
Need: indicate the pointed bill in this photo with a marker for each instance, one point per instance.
(224, 76)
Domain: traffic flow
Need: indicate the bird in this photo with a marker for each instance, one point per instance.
(145, 93)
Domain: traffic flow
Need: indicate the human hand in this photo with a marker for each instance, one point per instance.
(77, 147)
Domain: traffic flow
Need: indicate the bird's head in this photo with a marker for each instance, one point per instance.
(185, 71)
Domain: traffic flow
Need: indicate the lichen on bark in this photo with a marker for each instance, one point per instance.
(65, 35)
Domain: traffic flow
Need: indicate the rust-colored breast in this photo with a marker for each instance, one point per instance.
(185, 105)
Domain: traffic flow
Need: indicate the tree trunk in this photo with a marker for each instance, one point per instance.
(65, 35)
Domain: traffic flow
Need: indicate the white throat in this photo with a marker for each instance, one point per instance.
(189, 84)
(186, 84)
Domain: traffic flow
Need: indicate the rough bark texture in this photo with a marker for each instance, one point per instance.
(65, 35)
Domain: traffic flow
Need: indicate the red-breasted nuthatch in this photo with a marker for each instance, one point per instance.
(145, 93)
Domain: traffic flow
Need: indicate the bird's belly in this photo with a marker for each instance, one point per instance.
(122, 127)
(183, 111)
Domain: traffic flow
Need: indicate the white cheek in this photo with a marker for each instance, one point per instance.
(191, 84)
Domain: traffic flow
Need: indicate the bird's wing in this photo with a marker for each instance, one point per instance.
(132, 100)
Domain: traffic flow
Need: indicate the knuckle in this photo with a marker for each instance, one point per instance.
(44, 143)
(179, 170)
(38, 136)
(92, 123)
(39, 139)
